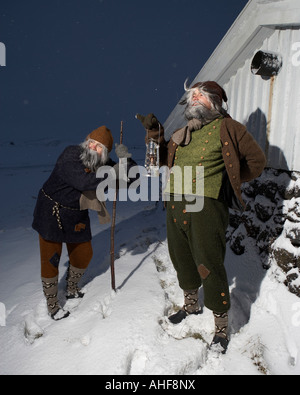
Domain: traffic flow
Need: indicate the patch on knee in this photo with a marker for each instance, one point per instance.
(55, 260)
(203, 271)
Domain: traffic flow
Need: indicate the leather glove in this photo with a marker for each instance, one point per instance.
(149, 121)
(122, 151)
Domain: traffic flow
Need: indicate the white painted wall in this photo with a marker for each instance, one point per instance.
(249, 97)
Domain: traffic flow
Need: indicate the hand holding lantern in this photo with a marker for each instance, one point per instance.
(150, 123)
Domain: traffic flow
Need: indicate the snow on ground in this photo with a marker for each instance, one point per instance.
(126, 332)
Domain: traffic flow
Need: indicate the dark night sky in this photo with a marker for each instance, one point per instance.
(74, 65)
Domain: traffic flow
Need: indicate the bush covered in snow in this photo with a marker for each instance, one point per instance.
(272, 219)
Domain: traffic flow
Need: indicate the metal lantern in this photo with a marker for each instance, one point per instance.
(152, 158)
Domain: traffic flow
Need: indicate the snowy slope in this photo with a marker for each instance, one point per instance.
(126, 332)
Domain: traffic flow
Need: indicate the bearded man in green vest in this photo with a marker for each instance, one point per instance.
(227, 155)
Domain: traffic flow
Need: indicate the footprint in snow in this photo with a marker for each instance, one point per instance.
(103, 306)
(138, 362)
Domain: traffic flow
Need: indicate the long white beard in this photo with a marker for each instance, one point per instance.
(91, 159)
(200, 112)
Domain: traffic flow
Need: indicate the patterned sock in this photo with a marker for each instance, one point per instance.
(191, 301)
(50, 288)
(221, 324)
(73, 277)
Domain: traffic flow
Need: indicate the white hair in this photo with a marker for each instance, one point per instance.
(201, 111)
(90, 158)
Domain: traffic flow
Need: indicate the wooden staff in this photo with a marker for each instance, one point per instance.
(112, 231)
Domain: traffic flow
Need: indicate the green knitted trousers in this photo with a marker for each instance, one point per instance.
(197, 247)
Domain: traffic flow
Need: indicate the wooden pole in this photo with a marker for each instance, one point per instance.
(112, 231)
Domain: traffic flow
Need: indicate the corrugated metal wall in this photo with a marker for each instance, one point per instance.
(249, 100)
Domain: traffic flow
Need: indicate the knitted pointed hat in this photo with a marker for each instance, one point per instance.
(102, 135)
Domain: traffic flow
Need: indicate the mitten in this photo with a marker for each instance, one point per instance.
(122, 151)
(149, 121)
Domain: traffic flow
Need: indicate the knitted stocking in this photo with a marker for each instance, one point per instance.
(50, 288)
(191, 301)
(221, 324)
(73, 277)
(190, 307)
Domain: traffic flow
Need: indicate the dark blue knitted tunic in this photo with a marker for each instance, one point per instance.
(57, 216)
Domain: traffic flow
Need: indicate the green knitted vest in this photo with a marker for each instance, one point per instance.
(204, 151)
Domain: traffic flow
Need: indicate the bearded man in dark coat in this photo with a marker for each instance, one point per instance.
(61, 212)
(224, 154)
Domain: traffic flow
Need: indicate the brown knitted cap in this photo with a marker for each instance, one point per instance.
(213, 88)
(103, 136)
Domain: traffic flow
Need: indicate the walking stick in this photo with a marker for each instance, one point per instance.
(112, 231)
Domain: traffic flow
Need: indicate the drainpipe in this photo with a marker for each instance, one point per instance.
(269, 119)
